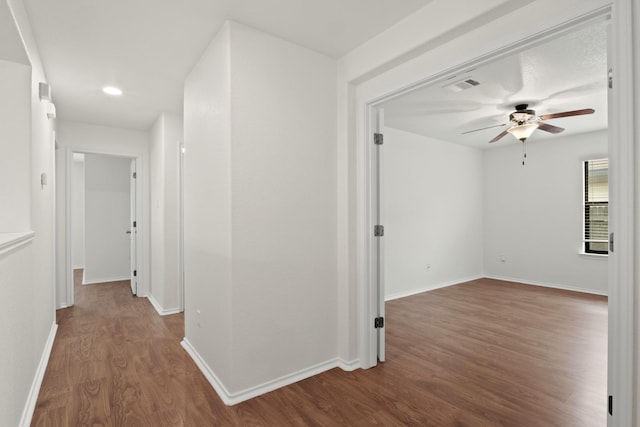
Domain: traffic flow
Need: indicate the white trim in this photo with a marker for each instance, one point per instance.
(68, 267)
(237, 397)
(623, 370)
(217, 385)
(162, 311)
(428, 288)
(348, 366)
(548, 285)
(602, 257)
(10, 242)
(366, 285)
(181, 225)
(103, 279)
(32, 398)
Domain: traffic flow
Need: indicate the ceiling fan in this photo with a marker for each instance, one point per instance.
(523, 122)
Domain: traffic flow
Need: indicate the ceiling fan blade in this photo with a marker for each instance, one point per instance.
(499, 136)
(567, 114)
(488, 127)
(549, 128)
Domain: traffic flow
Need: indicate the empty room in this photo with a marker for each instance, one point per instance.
(495, 244)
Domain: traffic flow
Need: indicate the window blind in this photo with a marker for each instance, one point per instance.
(596, 206)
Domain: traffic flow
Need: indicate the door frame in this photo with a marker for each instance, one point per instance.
(181, 297)
(622, 154)
(133, 229)
(69, 151)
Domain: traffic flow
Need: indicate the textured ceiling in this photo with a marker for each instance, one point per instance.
(147, 47)
(563, 74)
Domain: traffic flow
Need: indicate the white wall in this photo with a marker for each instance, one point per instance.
(107, 218)
(82, 137)
(207, 208)
(77, 211)
(165, 138)
(173, 137)
(15, 119)
(432, 213)
(260, 243)
(27, 321)
(283, 207)
(529, 216)
(157, 211)
(533, 213)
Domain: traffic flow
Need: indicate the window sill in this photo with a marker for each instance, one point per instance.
(12, 241)
(599, 256)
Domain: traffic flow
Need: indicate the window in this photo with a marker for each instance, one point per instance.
(596, 206)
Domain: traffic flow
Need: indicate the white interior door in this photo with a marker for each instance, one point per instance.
(379, 239)
(133, 229)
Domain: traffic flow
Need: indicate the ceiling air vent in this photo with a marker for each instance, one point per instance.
(462, 85)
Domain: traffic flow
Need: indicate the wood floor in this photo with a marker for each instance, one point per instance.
(484, 353)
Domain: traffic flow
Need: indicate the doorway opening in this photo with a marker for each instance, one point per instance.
(103, 214)
(468, 222)
(620, 263)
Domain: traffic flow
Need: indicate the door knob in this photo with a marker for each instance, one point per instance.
(128, 232)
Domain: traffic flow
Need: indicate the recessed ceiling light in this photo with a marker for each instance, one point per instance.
(111, 90)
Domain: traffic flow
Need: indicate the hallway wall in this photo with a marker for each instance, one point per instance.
(27, 321)
(15, 178)
(260, 239)
(165, 138)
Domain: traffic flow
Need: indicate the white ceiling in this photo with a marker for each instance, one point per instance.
(566, 73)
(147, 47)
(11, 48)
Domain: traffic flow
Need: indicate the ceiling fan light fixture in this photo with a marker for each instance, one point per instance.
(524, 131)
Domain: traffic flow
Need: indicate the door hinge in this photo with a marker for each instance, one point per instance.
(378, 138)
(611, 242)
(135, 175)
(610, 405)
(378, 230)
(135, 223)
(378, 322)
(135, 273)
(610, 78)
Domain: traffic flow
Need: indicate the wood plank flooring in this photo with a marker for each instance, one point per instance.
(483, 353)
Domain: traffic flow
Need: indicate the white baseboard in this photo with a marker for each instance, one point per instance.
(234, 398)
(162, 311)
(350, 365)
(103, 279)
(32, 398)
(428, 288)
(549, 285)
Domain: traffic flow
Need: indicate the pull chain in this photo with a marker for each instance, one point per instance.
(524, 151)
